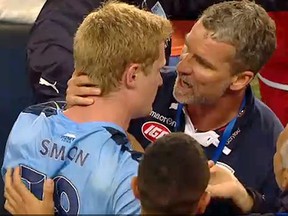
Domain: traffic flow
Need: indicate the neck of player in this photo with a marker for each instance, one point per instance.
(214, 116)
(112, 108)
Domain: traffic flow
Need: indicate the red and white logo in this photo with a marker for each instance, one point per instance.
(154, 130)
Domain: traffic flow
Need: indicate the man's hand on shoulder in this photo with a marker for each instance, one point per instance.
(19, 200)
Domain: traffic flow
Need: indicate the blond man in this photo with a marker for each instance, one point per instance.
(85, 150)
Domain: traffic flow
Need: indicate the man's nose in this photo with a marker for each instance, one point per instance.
(183, 67)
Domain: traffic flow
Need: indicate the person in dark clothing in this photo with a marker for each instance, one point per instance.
(49, 50)
(50, 46)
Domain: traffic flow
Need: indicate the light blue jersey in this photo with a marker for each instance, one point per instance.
(91, 163)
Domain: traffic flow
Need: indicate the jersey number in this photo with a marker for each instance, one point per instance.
(65, 194)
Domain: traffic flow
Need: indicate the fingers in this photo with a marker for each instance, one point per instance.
(78, 73)
(10, 189)
(210, 164)
(8, 177)
(218, 190)
(48, 201)
(9, 208)
(20, 200)
(48, 191)
(83, 91)
(213, 169)
(11, 195)
(11, 203)
(79, 86)
(19, 186)
(83, 85)
(80, 79)
(73, 100)
(221, 170)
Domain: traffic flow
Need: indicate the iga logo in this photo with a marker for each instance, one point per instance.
(154, 130)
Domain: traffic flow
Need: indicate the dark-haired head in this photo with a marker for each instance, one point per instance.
(173, 176)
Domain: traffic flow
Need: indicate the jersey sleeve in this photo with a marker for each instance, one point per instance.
(123, 199)
(15, 152)
(22, 140)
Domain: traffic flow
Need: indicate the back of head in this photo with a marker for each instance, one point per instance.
(173, 175)
(247, 27)
(114, 36)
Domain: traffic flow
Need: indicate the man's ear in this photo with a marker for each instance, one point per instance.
(131, 75)
(134, 186)
(203, 203)
(241, 80)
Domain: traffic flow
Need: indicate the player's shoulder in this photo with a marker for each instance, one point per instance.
(48, 108)
(128, 165)
(33, 119)
(120, 138)
(116, 135)
(36, 114)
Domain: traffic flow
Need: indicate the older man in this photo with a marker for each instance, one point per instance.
(210, 98)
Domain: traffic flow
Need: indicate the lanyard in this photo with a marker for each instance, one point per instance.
(178, 116)
(226, 134)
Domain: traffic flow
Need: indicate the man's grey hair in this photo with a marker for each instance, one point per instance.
(247, 27)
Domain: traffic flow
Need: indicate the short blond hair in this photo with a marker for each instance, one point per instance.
(114, 36)
(247, 27)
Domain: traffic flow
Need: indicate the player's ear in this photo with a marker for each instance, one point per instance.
(134, 186)
(131, 75)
